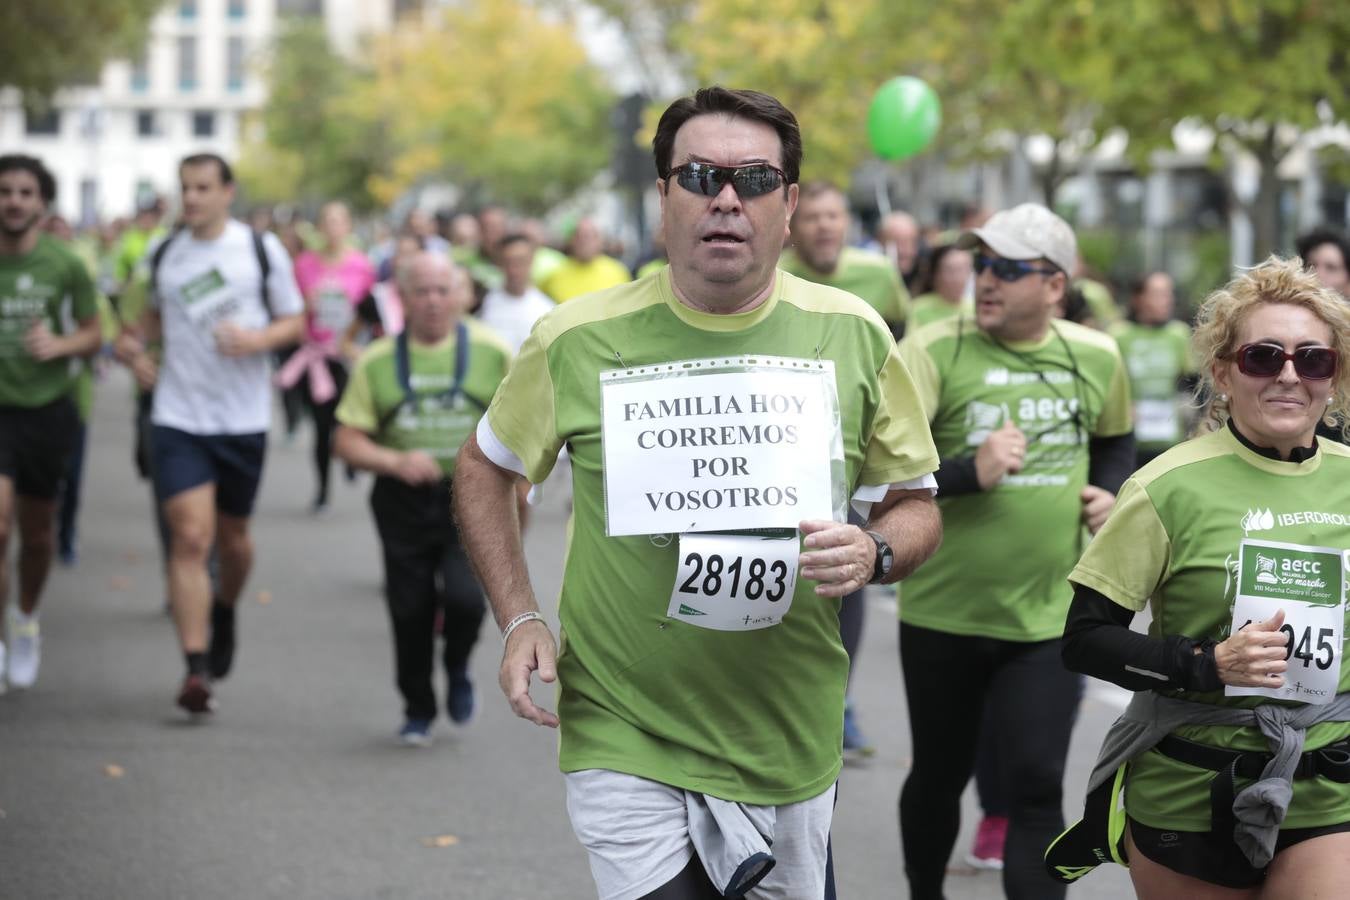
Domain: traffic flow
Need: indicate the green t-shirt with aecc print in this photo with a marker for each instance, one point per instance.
(49, 282)
(748, 716)
(1005, 552)
(863, 274)
(438, 424)
(1156, 356)
(1173, 544)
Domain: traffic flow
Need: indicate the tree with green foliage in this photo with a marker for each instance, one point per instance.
(317, 143)
(48, 44)
(1260, 74)
(493, 97)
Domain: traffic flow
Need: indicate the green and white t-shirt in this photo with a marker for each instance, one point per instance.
(929, 308)
(437, 423)
(1005, 552)
(1156, 356)
(749, 716)
(1173, 543)
(863, 274)
(47, 283)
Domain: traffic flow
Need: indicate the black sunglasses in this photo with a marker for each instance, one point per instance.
(1267, 360)
(1009, 269)
(753, 180)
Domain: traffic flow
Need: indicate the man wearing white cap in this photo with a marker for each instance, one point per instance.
(1031, 417)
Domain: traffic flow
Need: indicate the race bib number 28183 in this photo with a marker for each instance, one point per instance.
(732, 582)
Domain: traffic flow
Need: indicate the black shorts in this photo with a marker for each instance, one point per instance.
(232, 462)
(1215, 858)
(35, 446)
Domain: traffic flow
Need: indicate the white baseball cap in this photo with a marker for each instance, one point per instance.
(1029, 231)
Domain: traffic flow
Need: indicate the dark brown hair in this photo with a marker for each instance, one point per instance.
(715, 100)
(204, 159)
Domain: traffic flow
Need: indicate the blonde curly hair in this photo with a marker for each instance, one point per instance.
(1224, 312)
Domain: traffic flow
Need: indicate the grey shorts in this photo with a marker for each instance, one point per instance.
(636, 833)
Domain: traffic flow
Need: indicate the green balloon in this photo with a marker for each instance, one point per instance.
(903, 118)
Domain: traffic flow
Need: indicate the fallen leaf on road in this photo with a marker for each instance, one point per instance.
(131, 556)
(264, 597)
(440, 840)
(113, 770)
(119, 583)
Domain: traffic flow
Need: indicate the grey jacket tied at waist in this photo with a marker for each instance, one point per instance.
(1261, 806)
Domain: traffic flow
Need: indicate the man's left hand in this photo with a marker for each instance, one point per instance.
(231, 340)
(1097, 505)
(839, 557)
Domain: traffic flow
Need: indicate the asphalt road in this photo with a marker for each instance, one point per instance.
(296, 787)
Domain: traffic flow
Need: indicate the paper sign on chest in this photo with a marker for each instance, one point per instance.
(719, 444)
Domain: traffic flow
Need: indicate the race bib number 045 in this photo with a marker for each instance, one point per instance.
(721, 445)
(734, 582)
(1308, 583)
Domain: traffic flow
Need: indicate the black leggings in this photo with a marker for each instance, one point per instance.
(950, 680)
(325, 423)
(425, 571)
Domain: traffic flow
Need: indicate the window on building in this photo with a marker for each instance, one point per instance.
(146, 124)
(187, 9)
(42, 122)
(234, 63)
(140, 74)
(187, 63)
(203, 124)
(236, 9)
(299, 7)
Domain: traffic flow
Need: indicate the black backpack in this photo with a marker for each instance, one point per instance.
(264, 264)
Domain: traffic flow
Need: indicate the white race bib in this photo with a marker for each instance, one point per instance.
(332, 310)
(721, 445)
(1308, 583)
(733, 582)
(208, 300)
(1155, 421)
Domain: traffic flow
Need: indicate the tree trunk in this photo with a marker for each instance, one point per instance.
(1265, 207)
(1053, 176)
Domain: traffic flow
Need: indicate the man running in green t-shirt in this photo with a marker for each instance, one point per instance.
(820, 253)
(1157, 353)
(410, 403)
(714, 413)
(42, 286)
(1031, 417)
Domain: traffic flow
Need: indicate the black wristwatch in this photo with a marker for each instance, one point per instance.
(885, 558)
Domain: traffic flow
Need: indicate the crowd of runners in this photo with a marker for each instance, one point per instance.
(771, 416)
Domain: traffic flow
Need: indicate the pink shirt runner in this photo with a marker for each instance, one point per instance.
(326, 286)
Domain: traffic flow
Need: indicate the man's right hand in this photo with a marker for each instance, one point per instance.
(1002, 452)
(416, 467)
(1254, 656)
(530, 649)
(127, 347)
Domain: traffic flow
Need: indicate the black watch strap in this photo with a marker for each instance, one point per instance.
(885, 558)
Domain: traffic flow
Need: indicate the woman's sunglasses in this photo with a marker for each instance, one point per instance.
(1267, 360)
(753, 180)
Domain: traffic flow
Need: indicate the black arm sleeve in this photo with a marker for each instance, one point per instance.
(367, 311)
(1098, 642)
(956, 475)
(1110, 461)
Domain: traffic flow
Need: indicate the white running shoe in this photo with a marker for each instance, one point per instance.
(25, 650)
